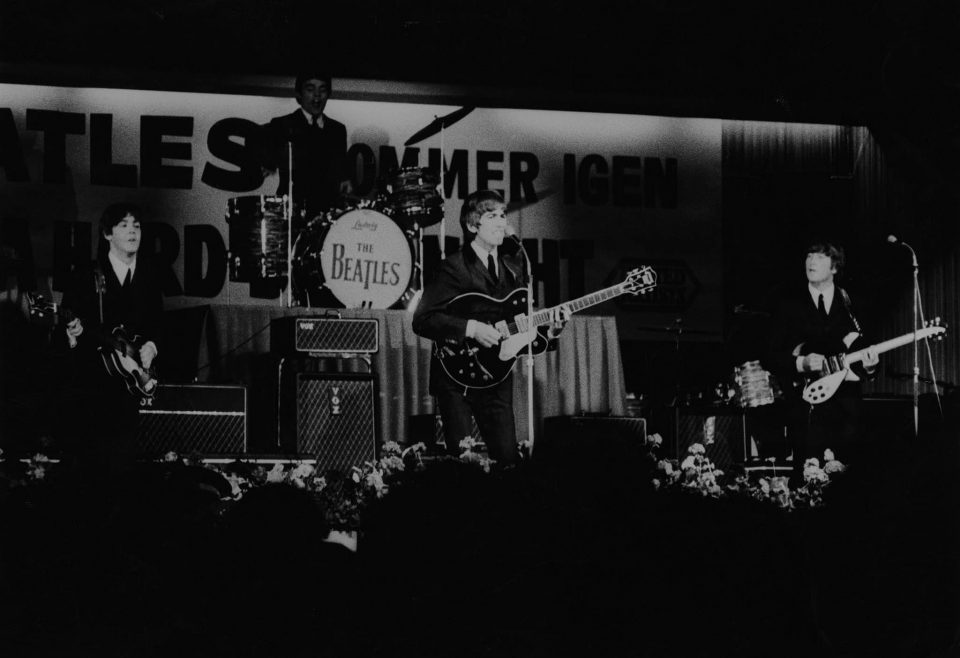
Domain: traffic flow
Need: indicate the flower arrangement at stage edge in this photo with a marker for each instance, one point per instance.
(341, 495)
(470, 456)
(699, 473)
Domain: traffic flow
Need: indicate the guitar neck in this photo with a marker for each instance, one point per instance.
(543, 316)
(885, 346)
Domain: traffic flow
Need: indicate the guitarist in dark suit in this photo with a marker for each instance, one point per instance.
(119, 288)
(811, 325)
(481, 266)
(319, 146)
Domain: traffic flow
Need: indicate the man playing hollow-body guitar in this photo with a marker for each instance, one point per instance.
(481, 266)
(118, 289)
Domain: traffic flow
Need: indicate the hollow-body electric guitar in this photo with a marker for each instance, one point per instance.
(473, 366)
(835, 368)
(119, 351)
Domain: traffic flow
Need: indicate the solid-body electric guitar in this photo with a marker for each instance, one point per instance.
(473, 366)
(835, 368)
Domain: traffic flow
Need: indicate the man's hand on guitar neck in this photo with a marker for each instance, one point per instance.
(558, 320)
(74, 330)
(483, 333)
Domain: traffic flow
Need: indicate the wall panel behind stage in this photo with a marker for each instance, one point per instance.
(593, 194)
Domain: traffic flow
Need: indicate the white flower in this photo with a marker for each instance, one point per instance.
(40, 458)
(828, 456)
(171, 457)
(811, 462)
(275, 474)
(654, 440)
(665, 466)
(375, 480)
(697, 449)
(302, 471)
(656, 483)
(390, 447)
(833, 466)
(688, 463)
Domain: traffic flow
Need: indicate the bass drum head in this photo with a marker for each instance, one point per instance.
(362, 257)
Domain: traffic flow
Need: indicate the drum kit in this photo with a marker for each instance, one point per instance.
(366, 253)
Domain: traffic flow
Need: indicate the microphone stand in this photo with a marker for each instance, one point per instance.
(916, 340)
(528, 359)
(289, 212)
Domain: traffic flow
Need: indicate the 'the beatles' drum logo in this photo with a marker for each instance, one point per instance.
(366, 260)
(365, 271)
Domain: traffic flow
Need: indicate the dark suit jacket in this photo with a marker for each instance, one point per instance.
(139, 309)
(460, 273)
(798, 321)
(319, 158)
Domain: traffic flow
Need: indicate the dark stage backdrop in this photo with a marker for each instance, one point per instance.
(785, 185)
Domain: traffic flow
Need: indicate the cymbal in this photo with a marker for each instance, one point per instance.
(440, 122)
(676, 329)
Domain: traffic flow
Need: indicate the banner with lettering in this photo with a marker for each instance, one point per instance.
(592, 194)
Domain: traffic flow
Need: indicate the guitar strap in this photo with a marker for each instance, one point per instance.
(100, 282)
(848, 307)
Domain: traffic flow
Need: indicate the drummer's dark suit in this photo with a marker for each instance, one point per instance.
(319, 158)
(319, 165)
(461, 273)
(833, 424)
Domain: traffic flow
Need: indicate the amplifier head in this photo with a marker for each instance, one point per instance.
(316, 335)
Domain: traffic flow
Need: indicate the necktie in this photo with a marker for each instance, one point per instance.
(492, 267)
(316, 122)
(821, 307)
(127, 279)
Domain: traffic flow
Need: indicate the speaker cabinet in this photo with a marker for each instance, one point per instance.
(722, 432)
(329, 416)
(192, 418)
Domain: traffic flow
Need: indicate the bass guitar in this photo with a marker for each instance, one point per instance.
(119, 352)
(474, 366)
(835, 368)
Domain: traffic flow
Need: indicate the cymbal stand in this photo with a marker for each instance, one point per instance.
(443, 188)
(288, 210)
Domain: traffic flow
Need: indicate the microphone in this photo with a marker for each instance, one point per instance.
(892, 239)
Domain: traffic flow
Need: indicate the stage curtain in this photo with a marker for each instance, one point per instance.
(584, 375)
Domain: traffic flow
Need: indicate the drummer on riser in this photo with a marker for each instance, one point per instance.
(319, 146)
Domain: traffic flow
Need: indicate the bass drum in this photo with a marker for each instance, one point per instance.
(361, 256)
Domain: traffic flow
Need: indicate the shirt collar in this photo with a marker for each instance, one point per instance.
(827, 292)
(309, 117)
(483, 253)
(120, 268)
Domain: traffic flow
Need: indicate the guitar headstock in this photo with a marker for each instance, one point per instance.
(640, 280)
(41, 309)
(934, 328)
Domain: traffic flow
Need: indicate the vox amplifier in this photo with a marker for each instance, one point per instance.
(300, 334)
(193, 418)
